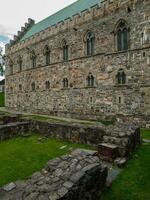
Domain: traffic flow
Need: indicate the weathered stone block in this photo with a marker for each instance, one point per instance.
(108, 151)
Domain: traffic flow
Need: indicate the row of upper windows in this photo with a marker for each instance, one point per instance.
(90, 81)
(122, 37)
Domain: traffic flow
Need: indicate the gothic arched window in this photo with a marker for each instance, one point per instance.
(11, 89)
(90, 80)
(20, 62)
(65, 83)
(33, 59)
(65, 51)
(11, 68)
(90, 43)
(47, 85)
(122, 36)
(121, 77)
(33, 86)
(20, 87)
(47, 54)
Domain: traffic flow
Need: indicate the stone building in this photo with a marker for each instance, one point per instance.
(91, 58)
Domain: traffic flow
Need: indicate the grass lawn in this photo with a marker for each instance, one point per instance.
(21, 157)
(146, 134)
(134, 180)
(2, 100)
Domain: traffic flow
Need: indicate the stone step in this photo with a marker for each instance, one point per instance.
(107, 151)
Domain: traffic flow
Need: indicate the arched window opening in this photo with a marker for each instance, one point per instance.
(20, 63)
(47, 55)
(65, 83)
(91, 100)
(119, 100)
(33, 59)
(65, 51)
(129, 9)
(90, 44)
(47, 85)
(11, 89)
(33, 86)
(20, 87)
(142, 38)
(122, 36)
(90, 80)
(121, 77)
(11, 68)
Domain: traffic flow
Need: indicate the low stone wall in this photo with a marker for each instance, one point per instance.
(9, 118)
(12, 130)
(125, 136)
(73, 132)
(79, 176)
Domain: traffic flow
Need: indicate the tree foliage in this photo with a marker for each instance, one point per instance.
(2, 63)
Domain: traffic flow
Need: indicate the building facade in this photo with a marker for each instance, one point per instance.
(90, 59)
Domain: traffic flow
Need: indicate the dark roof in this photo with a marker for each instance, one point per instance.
(61, 15)
(2, 82)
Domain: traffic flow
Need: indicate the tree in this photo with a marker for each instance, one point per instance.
(2, 63)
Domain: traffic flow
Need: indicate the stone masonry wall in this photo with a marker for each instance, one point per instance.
(79, 176)
(124, 136)
(12, 130)
(77, 133)
(106, 97)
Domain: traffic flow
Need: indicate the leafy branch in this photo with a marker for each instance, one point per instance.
(2, 63)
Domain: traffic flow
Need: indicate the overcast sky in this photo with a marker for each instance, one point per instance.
(14, 13)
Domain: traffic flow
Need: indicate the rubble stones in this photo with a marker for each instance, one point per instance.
(78, 184)
(9, 187)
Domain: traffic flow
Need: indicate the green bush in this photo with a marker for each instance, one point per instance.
(2, 99)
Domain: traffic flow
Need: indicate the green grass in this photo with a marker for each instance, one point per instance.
(2, 100)
(134, 180)
(21, 157)
(37, 117)
(146, 134)
(108, 122)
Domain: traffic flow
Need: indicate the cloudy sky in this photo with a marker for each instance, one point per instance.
(14, 13)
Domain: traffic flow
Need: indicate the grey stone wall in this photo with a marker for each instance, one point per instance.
(78, 133)
(79, 176)
(12, 130)
(125, 136)
(106, 97)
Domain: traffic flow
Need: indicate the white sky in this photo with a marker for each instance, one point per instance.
(14, 13)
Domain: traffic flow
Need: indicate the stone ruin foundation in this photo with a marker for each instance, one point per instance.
(79, 176)
(113, 141)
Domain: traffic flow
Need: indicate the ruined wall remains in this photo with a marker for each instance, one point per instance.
(13, 130)
(124, 137)
(79, 176)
